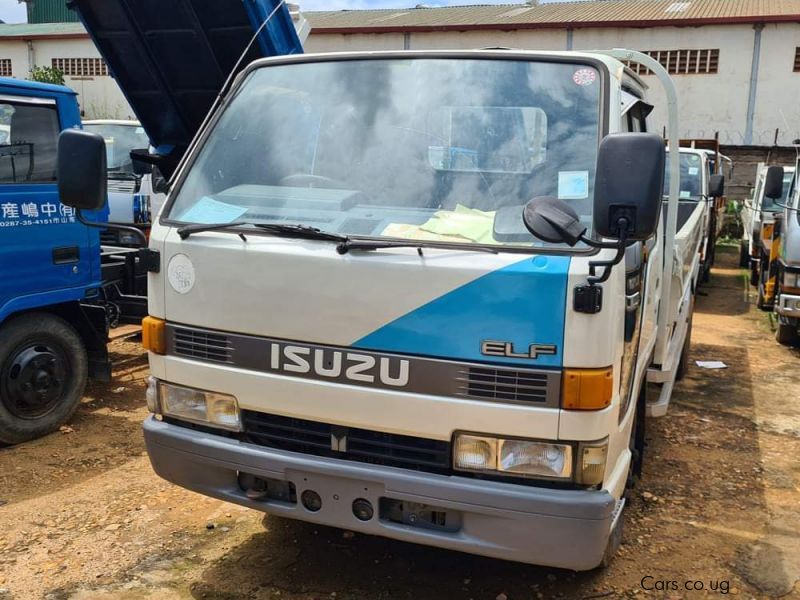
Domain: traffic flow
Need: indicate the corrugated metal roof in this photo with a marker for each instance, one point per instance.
(50, 11)
(605, 13)
(602, 13)
(32, 30)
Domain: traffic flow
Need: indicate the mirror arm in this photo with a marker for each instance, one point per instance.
(137, 232)
(786, 206)
(594, 279)
(620, 245)
(595, 244)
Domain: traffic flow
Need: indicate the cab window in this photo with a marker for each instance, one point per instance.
(28, 141)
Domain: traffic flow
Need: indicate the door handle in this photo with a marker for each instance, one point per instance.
(66, 255)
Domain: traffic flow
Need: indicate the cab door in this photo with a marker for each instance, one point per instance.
(42, 246)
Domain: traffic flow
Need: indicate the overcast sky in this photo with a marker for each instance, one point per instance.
(12, 11)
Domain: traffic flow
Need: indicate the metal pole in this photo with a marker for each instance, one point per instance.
(751, 98)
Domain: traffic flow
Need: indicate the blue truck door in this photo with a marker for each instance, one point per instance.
(42, 247)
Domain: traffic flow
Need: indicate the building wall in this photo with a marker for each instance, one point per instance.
(777, 103)
(99, 96)
(708, 103)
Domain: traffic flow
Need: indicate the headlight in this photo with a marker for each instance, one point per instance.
(130, 239)
(791, 280)
(535, 459)
(196, 406)
(475, 453)
(524, 458)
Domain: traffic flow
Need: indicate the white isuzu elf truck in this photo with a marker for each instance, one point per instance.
(419, 295)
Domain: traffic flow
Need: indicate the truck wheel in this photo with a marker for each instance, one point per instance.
(786, 333)
(43, 371)
(755, 276)
(744, 255)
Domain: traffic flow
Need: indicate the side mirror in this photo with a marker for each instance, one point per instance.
(82, 169)
(160, 183)
(140, 167)
(552, 220)
(629, 184)
(773, 184)
(716, 186)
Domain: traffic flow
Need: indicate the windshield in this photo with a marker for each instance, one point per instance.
(769, 204)
(691, 177)
(402, 148)
(120, 140)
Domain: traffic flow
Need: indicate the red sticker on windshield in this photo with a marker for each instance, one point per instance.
(584, 76)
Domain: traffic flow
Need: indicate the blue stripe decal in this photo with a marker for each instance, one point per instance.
(522, 303)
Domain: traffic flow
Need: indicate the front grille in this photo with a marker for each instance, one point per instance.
(122, 186)
(202, 345)
(503, 384)
(108, 237)
(362, 445)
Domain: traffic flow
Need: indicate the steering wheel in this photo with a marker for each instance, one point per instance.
(311, 181)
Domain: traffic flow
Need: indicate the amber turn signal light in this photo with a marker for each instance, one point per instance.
(587, 389)
(154, 336)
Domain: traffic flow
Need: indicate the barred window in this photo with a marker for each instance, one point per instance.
(5, 67)
(682, 62)
(797, 60)
(81, 67)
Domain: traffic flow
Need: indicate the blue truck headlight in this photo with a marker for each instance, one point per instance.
(526, 458)
(196, 406)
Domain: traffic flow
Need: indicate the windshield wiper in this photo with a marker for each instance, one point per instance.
(346, 245)
(279, 229)
(301, 231)
(187, 230)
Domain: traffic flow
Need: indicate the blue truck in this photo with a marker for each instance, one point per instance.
(53, 324)
(62, 289)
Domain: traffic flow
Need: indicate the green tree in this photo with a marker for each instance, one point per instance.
(47, 75)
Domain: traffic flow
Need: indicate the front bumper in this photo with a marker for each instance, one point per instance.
(558, 528)
(788, 306)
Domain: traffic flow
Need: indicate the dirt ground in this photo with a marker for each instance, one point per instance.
(82, 515)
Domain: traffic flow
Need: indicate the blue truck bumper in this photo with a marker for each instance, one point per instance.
(557, 528)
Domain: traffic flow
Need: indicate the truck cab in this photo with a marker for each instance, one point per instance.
(700, 184)
(52, 330)
(787, 266)
(758, 222)
(125, 184)
(411, 294)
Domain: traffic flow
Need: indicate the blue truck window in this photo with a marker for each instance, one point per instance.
(28, 139)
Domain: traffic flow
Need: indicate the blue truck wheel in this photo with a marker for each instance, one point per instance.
(43, 372)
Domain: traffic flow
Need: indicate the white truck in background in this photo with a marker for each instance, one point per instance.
(420, 295)
(699, 183)
(758, 222)
(779, 281)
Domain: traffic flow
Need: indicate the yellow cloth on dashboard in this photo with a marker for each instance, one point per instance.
(459, 225)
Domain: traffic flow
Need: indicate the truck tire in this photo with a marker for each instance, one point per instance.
(755, 272)
(43, 372)
(786, 333)
(744, 254)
